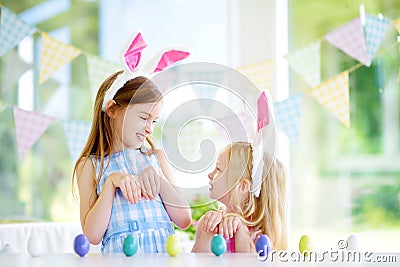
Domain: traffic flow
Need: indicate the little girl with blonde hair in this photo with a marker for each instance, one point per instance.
(245, 215)
(251, 182)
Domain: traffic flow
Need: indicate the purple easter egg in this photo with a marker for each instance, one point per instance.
(263, 245)
(81, 245)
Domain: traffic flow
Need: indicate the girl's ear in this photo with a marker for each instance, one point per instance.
(110, 108)
(244, 186)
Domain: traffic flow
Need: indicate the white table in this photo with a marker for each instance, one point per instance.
(161, 260)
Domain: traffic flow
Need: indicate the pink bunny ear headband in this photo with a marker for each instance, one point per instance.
(263, 138)
(130, 58)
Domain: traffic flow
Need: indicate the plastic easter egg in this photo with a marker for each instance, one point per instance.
(353, 243)
(81, 245)
(34, 246)
(263, 245)
(130, 246)
(218, 245)
(173, 245)
(305, 245)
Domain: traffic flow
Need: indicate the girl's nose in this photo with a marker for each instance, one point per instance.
(148, 127)
(211, 175)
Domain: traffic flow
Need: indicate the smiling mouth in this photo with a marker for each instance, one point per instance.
(141, 137)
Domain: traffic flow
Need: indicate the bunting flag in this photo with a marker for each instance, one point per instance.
(350, 39)
(288, 115)
(98, 70)
(12, 30)
(54, 54)
(234, 126)
(396, 23)
(77, 133)
(29, 126)
(205, 91)
(375, 29)
(334, 95)
(259, 73)
(307, 62)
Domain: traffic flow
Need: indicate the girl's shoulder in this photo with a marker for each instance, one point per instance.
(84, 163)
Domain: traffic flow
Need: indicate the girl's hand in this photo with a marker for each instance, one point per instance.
(212, 219)
(229, 225)
(149, 181)
(126, 183)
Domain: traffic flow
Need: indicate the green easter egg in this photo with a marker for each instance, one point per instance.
(173, 245)
(305, 245)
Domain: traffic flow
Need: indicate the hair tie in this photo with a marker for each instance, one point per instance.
(130, 58)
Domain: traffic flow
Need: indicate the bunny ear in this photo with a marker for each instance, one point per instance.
(132, 55)
(170, 57)
(263, 112)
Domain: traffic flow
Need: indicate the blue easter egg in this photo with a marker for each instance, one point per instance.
(130, 245)
(81, 245)
(218, 245)
(263, 245)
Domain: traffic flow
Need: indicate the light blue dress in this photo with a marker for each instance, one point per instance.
(147, 220)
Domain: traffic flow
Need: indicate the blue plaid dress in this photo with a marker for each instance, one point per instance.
(147, 220)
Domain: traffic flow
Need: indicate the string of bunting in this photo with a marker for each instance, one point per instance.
(306, 61)
(30, 125)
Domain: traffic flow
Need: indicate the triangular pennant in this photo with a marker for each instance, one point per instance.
(54, 54)
(234, 127)
(207, 93)
(396, 23)
(350, 39)
(334, 95)
(306, 61)
(12, 30)
(259, 73)
(77, 133)
(375, 29)
(98, 70)
(288, 115)
(29, 126)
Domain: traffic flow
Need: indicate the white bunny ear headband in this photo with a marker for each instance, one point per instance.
(264, 140)
(130, 58)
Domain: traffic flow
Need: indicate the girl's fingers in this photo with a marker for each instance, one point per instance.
(147, 186)
(210, 225)
(221, 230)
(143, 186)
(232, 228)
(128, 189)
(135, 191)
(227, 227)
(158, 184)
(236, 225)
(211, 221)
(150, 182)
(152, 185)
(124, 191)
